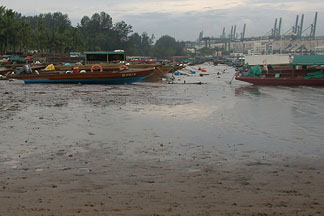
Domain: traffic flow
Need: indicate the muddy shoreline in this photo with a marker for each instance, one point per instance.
(159, 149)
(100, 183)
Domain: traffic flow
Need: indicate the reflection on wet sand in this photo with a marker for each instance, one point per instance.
(250, 90)
(185, 111)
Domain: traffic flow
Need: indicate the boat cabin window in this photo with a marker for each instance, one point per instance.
(105, 57)
(116, 57)
(97, 58)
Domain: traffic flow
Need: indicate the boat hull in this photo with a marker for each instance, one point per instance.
(88, 81)
(158, 74)
(117, 78)
(284, 81)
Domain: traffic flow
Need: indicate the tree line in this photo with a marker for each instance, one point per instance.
(54, 33)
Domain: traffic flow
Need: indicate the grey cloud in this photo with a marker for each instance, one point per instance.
(187, 26)
(184, 25)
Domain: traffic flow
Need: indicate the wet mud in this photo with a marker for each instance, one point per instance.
(162, 149)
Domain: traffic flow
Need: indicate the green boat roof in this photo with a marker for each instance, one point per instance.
(104, 53)
(17, 58)
(190, 60)
(308, 60)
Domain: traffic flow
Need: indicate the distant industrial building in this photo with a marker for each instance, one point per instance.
(293, 41)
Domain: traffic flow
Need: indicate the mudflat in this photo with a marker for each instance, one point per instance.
(160, 149)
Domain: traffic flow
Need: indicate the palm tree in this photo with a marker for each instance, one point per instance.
(8, 21)
(2, 37)
(23, 33)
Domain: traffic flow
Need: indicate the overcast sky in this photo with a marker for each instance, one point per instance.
(184, 19)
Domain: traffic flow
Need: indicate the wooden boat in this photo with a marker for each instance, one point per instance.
(292, 78)
(111, 77)
(159, 72)
(303, 67)
(5, 71)
(106, 66)
(11, 68)
(284, 81)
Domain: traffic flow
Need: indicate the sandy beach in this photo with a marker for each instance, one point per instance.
(160, 149)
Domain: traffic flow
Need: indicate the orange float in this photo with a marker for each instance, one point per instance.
(96, 66)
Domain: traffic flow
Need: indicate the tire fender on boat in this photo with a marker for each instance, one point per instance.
(93, 67)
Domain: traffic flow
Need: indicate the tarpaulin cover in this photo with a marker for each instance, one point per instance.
(18, 59)
(255, 71)
(50, 67)
(316, 75)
